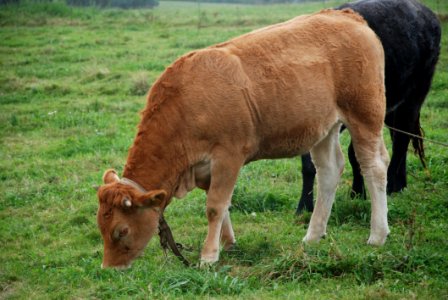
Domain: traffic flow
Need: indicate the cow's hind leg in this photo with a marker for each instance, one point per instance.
(329, 162)
(373, 158)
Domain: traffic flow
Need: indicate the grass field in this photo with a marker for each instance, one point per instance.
(72, 83)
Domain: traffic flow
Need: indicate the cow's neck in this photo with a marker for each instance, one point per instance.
(157, 158)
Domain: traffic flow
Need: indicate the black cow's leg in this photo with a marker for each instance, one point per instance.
(396, 174)
(308, 175)
(407, 118)
(358, 188)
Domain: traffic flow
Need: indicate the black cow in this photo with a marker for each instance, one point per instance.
(410, 33)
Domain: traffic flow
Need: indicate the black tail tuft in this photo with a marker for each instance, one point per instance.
(417, 143)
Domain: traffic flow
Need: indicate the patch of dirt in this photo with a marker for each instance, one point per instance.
(8, 289)
(443, 17)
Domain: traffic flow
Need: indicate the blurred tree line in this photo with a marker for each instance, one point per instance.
(114, 3)
(439, 6)
(148, 3)
(257, 1)
(99, 3)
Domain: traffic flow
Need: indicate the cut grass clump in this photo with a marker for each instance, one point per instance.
(93, 73)
(308, 264)
(140, 84)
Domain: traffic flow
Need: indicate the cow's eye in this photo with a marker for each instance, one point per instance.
(108, 213)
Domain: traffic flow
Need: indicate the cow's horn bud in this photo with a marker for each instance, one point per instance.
(127, 203)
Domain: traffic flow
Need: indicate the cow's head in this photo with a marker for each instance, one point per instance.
(127, 218)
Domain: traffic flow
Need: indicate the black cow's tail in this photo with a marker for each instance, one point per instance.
(417, 143)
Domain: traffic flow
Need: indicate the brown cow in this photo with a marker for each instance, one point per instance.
(280, 91)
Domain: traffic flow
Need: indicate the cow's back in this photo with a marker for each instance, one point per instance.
(277, 89)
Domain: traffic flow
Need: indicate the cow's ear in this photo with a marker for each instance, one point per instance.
(153, 198)
(110, 176)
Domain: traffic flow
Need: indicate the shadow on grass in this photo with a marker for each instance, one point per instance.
(250, 251)
(248, 202)
(357, 211)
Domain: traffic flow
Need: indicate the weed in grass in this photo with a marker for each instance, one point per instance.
(140, 84)
(13, 120)
(93, 73)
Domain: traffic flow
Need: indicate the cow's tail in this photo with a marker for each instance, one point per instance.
(417, 143)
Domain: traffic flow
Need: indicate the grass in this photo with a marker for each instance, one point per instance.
(72, 83)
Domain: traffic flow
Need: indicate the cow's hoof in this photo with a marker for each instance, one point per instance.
(228, 246)
(209, 259)
(205, 264)
(311, 238)
(377, 239)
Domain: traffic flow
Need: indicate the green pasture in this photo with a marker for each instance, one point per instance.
(72, 84)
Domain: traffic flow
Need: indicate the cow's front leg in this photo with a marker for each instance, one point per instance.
(224, 173)
(215, 216)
